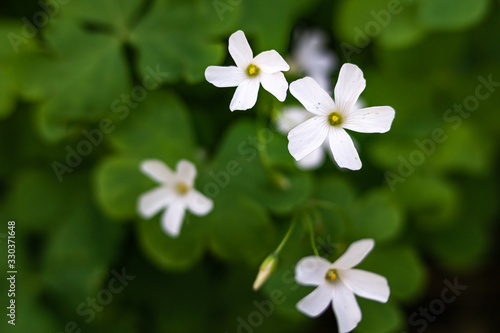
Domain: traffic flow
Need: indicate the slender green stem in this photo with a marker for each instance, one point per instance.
(287, 235)
(261, 121)
(262, 146)
(264, 112)
(311, 234)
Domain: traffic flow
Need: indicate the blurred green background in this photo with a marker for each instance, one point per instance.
(132, 70)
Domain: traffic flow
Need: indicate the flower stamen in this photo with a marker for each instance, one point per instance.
(181, 188)
(335, 119)
(331, 275)
(252, 70)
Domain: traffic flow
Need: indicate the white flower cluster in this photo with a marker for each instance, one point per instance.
(322, 124)
(328, 119)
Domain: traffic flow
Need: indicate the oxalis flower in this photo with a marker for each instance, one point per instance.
(337, 283)
(175, 193)
(249, 72)
(331, 118)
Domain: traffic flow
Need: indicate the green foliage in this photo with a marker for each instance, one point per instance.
(380, 317)
(403, 268)
(88, 60)
(128, 78)
(254, 151)
(447, 14)
(182, 48)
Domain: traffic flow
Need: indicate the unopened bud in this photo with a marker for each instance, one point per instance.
(266, 269)
(281, 181)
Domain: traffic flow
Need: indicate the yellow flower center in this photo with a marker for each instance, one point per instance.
(331, 275)
(181, 188)
(252, 70)
(335, 119)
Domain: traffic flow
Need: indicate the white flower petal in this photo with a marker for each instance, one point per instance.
(171, 219)
(245, 95)
(186, 172)
(270, 62)
(350, 85)
(290, 117)
(307, 137)
(377, 119)
(220, 76)
(198, 204)
(240, 50)
(366, 284)
(354, 254)
(275, 83)
(153, 201)
(312, 96)
(312, 161)
(345, 307)
(157, 170)
(317, 301)
(311, 271)
(343, 150)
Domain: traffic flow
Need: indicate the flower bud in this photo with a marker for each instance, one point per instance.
(281, 181)
(266, 269)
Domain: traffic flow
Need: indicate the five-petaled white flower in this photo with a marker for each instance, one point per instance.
(266, 69)
(176, 194)
(292, 116)
(338, 282)
(332, 117)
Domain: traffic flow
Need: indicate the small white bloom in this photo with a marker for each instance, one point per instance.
(332, 117)
(249, 72)
(292, 116)
(311, 56)
(175, 193)
(337, 283)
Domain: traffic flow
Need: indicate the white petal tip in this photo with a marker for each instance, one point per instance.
(351, 167)
(305, 309)
(368, 241)
(171, 233)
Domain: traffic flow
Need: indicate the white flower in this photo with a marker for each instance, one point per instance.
(292, 116)
(266, 69)
(311, 56)
(175, 193)
(338, 282)
(331, 118)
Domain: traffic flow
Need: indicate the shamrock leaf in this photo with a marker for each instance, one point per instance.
(87, 72)
(449, 14)
(181, 47)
